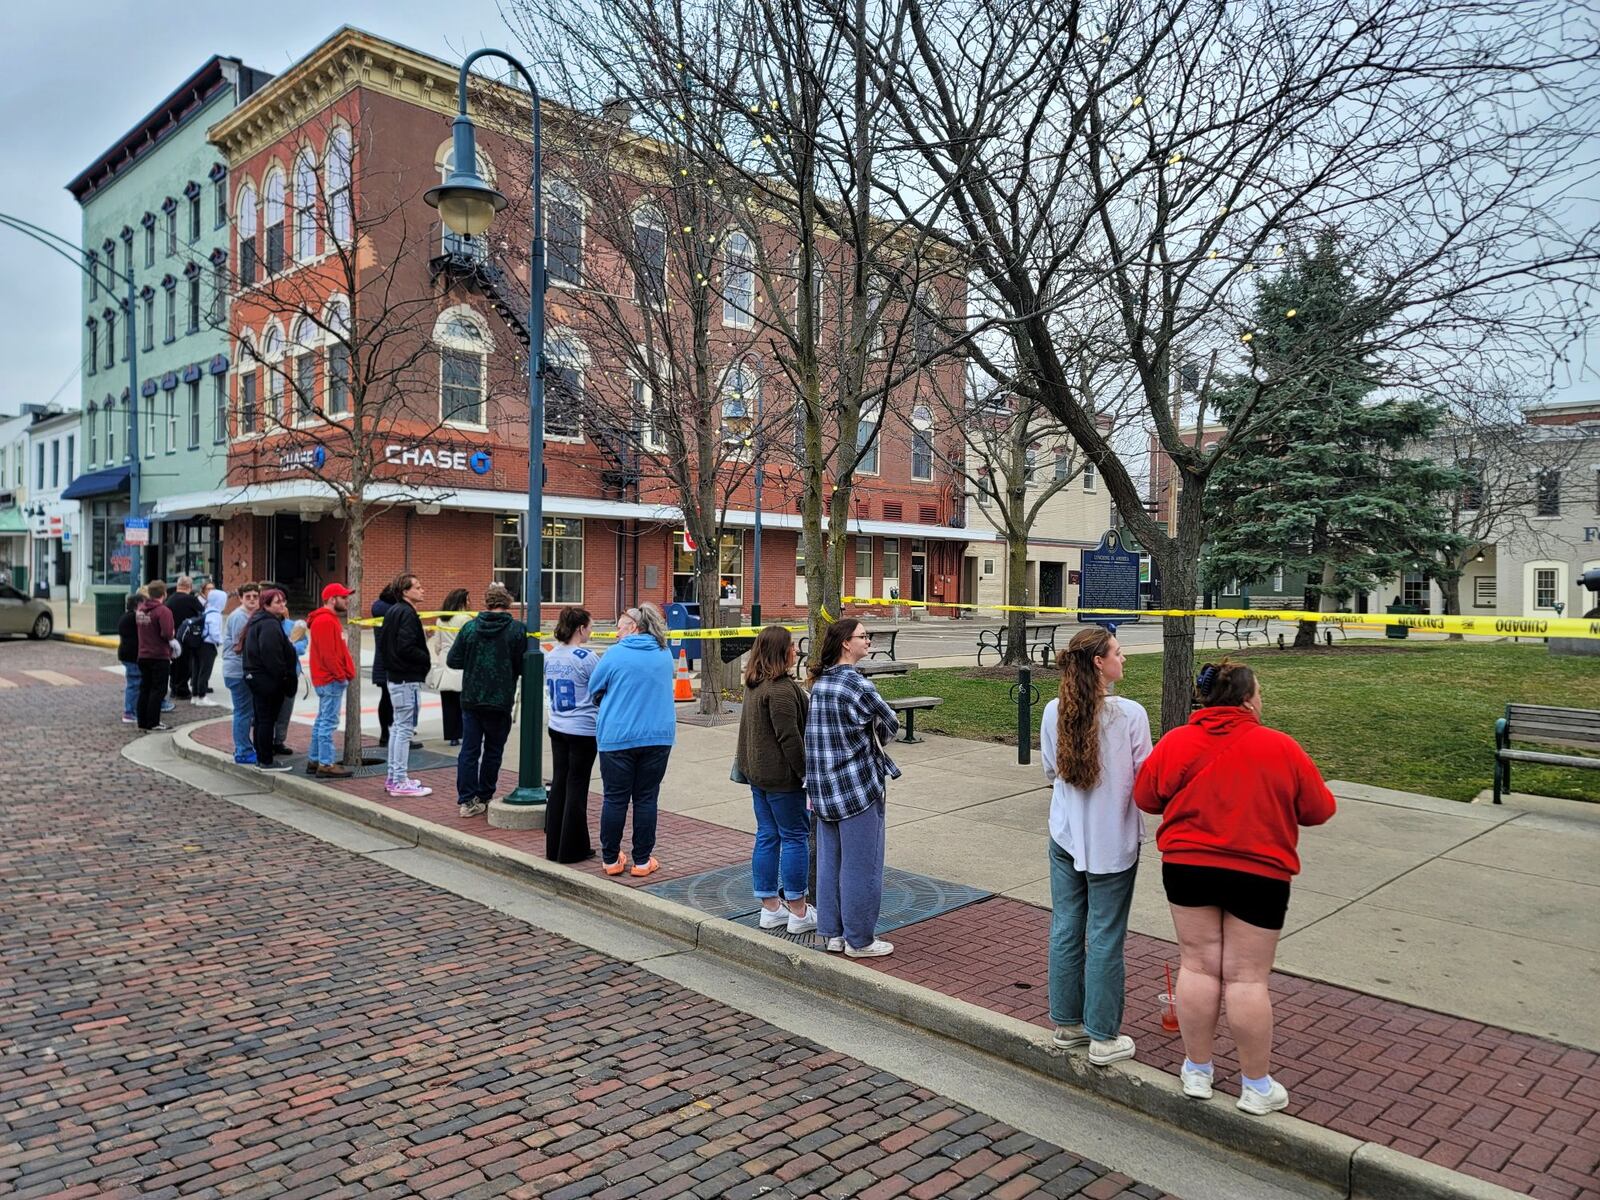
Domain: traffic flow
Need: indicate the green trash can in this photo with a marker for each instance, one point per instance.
(1399, 632)
(109, 605)
(19, 578)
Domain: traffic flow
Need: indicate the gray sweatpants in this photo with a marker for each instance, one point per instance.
(850, 876)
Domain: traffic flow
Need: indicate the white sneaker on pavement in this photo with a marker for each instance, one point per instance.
(1069, 1037)
(1258, 1105)
(835, 946)
(878, 949)
(1196, 1084)
(771, 918)
(472, 808)
(1103, 1054)
(803, 924)
(409, 788)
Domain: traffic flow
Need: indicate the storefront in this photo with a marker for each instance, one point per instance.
(107, 560)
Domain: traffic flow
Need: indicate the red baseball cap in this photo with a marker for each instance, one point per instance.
(335, 589)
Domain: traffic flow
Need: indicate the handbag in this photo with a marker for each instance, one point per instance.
(737, 775)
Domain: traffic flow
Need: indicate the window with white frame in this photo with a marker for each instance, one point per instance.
(337, 368)
(246, 223)
(652, 424)
(460, 244)
(194, 414)
(194, 300)
(149, 223)
(305, 207)
(566, 362)
(877, 313)
(111, 336)
(249, 413)
(150, 427)
(925, 324)
(730, 567)
(169, 285)
(738, 282)
(219, 196)
(463, 364)
(272, 216)
(149, 297)
(921, 442)
(1414, 590)
(170, 211)
(650, 257)
(561, 567)
(219, 289)
(1546, 587)
(863, 558)
(219, 408)
(91, 329)
(192, 194)
(172, 420)
(337, 171)
(867, 438)
(93, 429)
(891, 562)
(563, 232)
(1030, 465)
(741, 391)
(1090, 479)
(1063, 466)
(111, 429)
(1485, 591)
(303, 372)
(272, 357)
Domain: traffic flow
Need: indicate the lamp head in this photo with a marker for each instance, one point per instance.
(466, 203)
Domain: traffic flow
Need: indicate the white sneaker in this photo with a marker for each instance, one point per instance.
(204, 703)
(472, 808)
(409, 788)
(803, 924)
(771, 918)
(1069, 1037)
(878, 949)
(1257, 1105)
(835, 946)
(1196, 1084)
(1103, 1054)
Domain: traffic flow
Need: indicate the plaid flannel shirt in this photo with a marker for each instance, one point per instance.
(845, 767)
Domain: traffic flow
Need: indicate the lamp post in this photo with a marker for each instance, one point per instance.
(75, 256)
(467, 204)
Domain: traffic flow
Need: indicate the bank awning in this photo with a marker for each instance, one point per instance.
(98, 483)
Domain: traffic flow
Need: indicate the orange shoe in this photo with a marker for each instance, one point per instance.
(615, 868)
(643, 869)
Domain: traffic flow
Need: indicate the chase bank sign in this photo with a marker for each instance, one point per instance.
(439, 458)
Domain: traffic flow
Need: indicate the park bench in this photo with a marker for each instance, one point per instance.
(910, 706)
(1243, 630)
(869, 668)
(1041, 642)
(1575, 727)
(878, 638)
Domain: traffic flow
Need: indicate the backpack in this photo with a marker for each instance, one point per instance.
(192, 632)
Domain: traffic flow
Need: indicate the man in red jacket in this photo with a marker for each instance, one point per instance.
(153, 620)
(332, 669)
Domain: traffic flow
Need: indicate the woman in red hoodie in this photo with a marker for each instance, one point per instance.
(1232, 795)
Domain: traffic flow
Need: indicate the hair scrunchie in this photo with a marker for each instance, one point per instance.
(1207, 676)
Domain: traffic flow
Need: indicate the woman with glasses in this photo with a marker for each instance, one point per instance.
(635, 728)
(847, 727)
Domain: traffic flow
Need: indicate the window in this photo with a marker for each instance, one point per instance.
(1030, 464)
(337, 181)
(1484, 591)
(1063, 465)
(565, 363)
(739, 283)
(92, 358)
(867, 439)
(149, 224)
(111, 430)
(863, 558)
(1545, 588)
(1414, 590)
(877, 302)
(921, 442)
(219, 408)
(1472, 489)
(652, 425)
(194, 302)
(247, 401)
(127, 248)
(463, 245)
(463, 357)
(109, 559)
(561, 569)
(193, 193)
(194, 414)
(38, 469)
(337, 372)
(111, 337)
(149, 318)
(55, 462)
(988, 566)
(247, 235)
(650, 258)
(1547, 494)
(272, 356)
(304, 370)
(272, 219)
(219, 289)
(891, 562)
(130, 407)
(93, 430)
(1090, 481)
(563, 232)
(170, 208)
(924, 325)
(111, 267)
(219, 196)
(305, 208)
(741, 391)
(508, 556)
(94, 274)
(172, 421)
(170, 286)
(150, 427)
(72, 457)
(730, 567)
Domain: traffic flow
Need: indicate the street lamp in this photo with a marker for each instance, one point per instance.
(467, 205)
(75, 256)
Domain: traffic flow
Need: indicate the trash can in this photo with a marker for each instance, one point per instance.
(19, 578)
(1399, 632)
(109, 605)
(684, 616)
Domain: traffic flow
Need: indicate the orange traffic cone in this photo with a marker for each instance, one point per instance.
(681, 690)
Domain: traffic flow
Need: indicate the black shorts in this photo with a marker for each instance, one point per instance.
(1255, 899)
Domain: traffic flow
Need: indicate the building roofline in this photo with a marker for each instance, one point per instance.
(182, 102)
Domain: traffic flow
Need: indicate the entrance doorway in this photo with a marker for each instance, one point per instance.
(1051, 577)
(288, 551)
(919, 570)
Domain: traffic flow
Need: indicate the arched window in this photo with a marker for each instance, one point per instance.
(111, 429)
(305, 208)
(336, 183)
(91, 329)
(566, 362)
(741, 393)
(563, 232)
(475, 248)
(463, 366)
(272, 217)
(867, 438)
(921, 442)
(94, 434)
(925, 324)
(650, 256)
(249, 381)
(738, 283)
(272, 358)
(336, 371)
(245, 222)
(303, 368)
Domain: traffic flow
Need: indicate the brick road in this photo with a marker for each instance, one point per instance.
(196, 1001)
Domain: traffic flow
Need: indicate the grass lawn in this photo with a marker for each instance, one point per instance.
(1414, 716)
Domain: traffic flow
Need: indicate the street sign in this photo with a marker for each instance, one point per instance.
(136, 531)
(1109, 578)
(66, 539)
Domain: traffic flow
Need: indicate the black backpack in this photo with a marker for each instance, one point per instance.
(192, 632)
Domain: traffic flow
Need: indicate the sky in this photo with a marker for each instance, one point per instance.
(63, 102)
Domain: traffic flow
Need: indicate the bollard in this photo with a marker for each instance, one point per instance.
(1026, 696)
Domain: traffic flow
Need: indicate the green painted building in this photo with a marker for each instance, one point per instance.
(157, 204)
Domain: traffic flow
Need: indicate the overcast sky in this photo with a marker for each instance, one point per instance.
(75, 75)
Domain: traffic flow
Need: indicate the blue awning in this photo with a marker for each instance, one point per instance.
(98, 483)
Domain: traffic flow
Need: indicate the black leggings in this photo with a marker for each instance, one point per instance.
(153, 674)
(566, 814)
(385, 713)
(201, 660)
(268, 702)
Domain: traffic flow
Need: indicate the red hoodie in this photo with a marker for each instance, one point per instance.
(1232, 794)
(330, 657)
(154, 622)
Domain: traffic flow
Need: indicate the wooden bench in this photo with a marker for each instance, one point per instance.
(1041, 641)
(884, 667)
(878, 638)
(910, 706)
(1243, 630)
(1575, 727)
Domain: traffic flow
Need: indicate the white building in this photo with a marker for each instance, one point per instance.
(53, 523)
(14, 548)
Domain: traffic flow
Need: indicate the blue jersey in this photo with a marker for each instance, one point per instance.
(566, 684)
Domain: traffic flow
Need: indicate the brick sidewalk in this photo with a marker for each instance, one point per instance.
(1504, 1106)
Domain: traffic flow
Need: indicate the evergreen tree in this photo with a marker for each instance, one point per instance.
(1323, 482)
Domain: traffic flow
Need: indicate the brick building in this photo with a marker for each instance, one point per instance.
(328, 165)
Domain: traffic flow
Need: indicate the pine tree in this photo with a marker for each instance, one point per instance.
(1323, 482)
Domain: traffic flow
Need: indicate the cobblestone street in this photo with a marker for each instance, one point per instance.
(197, 1001)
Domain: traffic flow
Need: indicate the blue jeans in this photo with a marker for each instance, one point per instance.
(130, 689)
(631, 777)
(330, 699)
(405, 697)
(1088, 924)
(850, 876)
(244, 715)
(780, 854)
(483, 731)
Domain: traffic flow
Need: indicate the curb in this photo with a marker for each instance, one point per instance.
(84, 639)
(1354, 1167)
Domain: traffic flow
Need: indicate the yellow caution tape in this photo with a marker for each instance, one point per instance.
(743, 631)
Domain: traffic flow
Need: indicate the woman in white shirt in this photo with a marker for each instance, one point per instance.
(1092, 743)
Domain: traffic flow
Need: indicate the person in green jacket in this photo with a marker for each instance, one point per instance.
(488, 652)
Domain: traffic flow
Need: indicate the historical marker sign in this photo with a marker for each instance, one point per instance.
(1109, 578)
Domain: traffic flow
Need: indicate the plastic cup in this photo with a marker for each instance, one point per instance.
(1169, 1012)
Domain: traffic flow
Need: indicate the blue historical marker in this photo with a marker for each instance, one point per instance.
(1109, 578)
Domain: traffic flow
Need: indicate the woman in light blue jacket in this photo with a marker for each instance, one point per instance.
(635, 729)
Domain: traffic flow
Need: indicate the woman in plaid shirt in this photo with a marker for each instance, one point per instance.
(846, 729)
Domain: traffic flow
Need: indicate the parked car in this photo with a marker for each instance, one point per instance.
(19, 614)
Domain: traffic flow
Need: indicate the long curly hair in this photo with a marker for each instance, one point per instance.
(1082, 697)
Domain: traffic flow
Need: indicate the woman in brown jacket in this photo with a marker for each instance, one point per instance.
(772, 759)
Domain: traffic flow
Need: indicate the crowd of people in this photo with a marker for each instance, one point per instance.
(1231, 793)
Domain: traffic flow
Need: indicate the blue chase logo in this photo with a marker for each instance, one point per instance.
(480, 462)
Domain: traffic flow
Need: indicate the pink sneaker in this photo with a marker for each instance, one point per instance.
(409, 788)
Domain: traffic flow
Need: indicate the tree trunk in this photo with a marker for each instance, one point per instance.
(1450, 592)
(1016, 653)
(354, 559)
(1179, 559)
(708, 590)
(1305, 636)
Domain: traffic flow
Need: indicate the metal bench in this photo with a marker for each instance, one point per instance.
(910, 706)
(1243, 630)
(878, 637)
(1575, 727)
(1041, 642)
